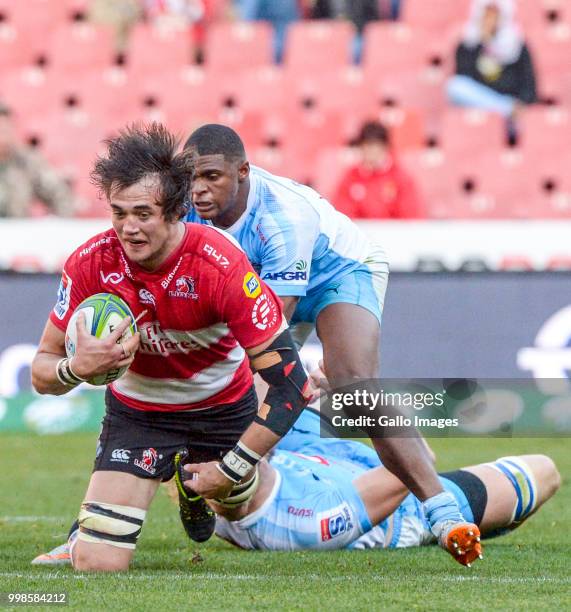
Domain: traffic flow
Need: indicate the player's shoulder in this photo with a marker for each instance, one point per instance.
(280, 192)
(215, 247)
(95, 250)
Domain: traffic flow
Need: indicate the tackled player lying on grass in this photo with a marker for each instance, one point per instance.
(325, 493)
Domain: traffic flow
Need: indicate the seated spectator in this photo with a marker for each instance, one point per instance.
(121, 15)
(377, 187)
(359, 12)
(279, 14)
(494, 70)
(26, 178)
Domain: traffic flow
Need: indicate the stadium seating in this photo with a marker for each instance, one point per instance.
(545, 131)
(231, 47)
(261, 89)
(81, 46)
(313, 47)
(551, 48)
(153, 50)
(435, 14)
(467, 132)
(431, 169)
(331, 165)
(294, 118)
(541, 13)
(550, 195)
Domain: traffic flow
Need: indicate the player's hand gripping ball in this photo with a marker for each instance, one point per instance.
(103, 312)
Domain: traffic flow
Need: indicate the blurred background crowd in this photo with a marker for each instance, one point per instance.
(406, 109)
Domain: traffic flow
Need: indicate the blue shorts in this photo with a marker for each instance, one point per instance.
(326, 494)
(365, 286)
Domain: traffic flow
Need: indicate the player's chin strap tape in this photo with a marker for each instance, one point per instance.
(241, 493)
(102, 523)
(280, 367)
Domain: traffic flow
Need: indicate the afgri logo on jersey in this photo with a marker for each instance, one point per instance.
(63, 296)
(184, 288)
(299, 273)
(264, 313)
(251, 286)
(336, 523)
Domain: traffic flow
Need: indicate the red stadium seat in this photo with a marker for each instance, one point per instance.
(433, 172)
(261, 89)
(316, 46)
(468, 132)
(152, 51)
(30, 93)
(236, 46)
(19, 47)
(551, 48)
(277, 160)
(331, 166)
(336, 90)
(551, 187)
(79, 47)
(435, 14)
(496, 185)
(408, 66)
(537, 13)
(545, 131)
(390, 46)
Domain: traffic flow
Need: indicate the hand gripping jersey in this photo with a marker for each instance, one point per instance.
(295, 239)
(204, 305)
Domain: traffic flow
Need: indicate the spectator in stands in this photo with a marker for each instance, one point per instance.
(494, 70)
(359, 12)
(121, 15)
(377, 187)
(280, 14)
(25, 177)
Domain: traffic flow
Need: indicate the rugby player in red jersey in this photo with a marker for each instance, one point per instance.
(205, 316)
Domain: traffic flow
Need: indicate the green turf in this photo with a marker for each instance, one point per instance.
(42, 480)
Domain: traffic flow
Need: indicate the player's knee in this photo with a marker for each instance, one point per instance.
(107, 536)
(340, 373)
(546, 474)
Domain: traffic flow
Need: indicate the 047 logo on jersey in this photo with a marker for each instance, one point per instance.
(221, 259)
(264, 312)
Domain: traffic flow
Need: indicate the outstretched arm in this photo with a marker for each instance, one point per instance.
(279, 364)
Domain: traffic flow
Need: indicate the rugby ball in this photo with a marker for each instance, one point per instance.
(103, 312)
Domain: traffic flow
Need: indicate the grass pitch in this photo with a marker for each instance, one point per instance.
(42, 480)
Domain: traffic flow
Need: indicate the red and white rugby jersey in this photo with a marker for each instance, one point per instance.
(205, 305)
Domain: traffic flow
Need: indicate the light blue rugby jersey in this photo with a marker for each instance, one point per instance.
(294, 238)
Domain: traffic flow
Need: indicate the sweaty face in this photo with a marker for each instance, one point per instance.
(147, 238)
(216, 188)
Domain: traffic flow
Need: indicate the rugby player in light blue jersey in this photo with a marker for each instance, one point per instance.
(328, 275)
(326, 493)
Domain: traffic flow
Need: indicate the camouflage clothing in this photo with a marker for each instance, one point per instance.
(26, 177)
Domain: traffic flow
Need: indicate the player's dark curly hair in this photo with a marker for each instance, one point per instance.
(216, 139)
(142, 150)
